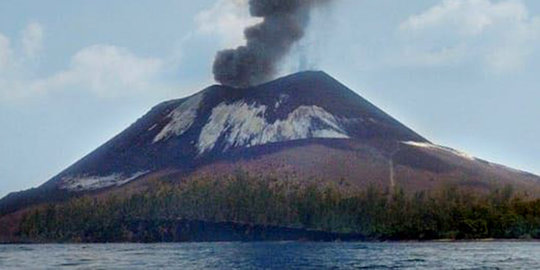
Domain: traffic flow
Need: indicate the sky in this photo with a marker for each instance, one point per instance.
(74, 73)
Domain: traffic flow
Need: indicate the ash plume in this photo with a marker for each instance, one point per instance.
(284, 23)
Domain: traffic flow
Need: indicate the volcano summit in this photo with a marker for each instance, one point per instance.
(306, 126)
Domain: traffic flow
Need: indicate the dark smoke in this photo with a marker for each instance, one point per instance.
(284, 22)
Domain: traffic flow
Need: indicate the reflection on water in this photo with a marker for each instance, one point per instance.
(274, 255)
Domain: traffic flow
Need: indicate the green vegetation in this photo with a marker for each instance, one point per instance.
(447, 213)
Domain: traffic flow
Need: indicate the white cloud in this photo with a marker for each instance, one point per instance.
(102, 70)
(226, 21)
(500, 35)
(468, 17)
(32, 39)
(105, 70)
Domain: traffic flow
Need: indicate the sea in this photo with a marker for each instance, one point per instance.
(275, 255)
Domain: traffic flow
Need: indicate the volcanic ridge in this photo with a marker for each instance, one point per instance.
(305, 126)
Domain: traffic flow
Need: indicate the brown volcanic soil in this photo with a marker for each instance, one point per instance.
(358, 164)
(310, 163)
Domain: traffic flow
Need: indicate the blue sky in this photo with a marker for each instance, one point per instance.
(463, 73)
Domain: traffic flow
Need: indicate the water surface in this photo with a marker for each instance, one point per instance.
(274, 255)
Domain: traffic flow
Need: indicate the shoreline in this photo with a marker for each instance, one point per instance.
(442, 241)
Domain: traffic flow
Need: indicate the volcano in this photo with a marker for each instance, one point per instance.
(305, 126)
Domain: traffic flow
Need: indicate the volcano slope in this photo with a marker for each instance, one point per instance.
(306, 126)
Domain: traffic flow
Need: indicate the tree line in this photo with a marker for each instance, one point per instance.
(449, 213)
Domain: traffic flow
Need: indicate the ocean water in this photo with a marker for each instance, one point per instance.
(274, 255)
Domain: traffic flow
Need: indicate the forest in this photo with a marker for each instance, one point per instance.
(240, 204)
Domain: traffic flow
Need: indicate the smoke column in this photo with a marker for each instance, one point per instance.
(284, 22)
